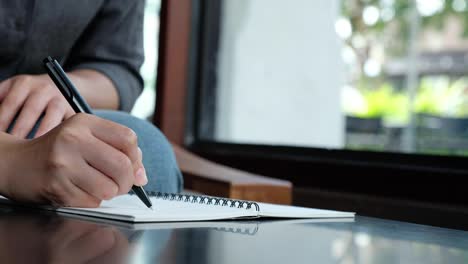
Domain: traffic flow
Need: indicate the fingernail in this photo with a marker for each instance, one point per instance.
(139, 150)
(141, 177)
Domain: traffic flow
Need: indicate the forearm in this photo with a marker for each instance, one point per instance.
(7, 160)
(97, 89)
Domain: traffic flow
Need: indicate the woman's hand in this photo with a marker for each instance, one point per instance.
(30, 96)
(79, 163)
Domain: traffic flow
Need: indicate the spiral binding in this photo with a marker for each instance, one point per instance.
(208, 200)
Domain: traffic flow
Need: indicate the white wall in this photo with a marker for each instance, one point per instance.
(280, 73)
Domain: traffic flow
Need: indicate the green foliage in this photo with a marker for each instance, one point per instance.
(383, 102)
(435, 95)
(443, 97)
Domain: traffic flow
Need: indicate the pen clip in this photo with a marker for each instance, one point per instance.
(64, 79)
(58, 78)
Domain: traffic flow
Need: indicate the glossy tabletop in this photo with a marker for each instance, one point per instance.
(28, 236)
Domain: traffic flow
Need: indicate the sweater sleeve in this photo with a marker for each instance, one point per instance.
(112, 44)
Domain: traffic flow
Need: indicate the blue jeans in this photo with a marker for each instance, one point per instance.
(159, 160)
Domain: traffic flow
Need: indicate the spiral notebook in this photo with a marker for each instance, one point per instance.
(171, 207)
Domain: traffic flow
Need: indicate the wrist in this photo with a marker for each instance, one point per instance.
(86, 81)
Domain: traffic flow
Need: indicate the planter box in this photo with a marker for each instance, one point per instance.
(364, 133)
(427, 123)
(363, 125)
(441, 135)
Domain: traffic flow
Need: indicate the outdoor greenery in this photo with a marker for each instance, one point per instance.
(443, 97)
(383, 37)
(383, 102)
(439, 96)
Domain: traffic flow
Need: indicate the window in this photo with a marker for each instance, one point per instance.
(377, 75)
(331, 95)
(145, 105)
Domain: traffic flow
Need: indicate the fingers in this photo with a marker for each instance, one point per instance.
(118, 136)
(11, 104)
(125, 140)
(27, 97)
(95, 183)
(110, 162)
(4, 88)
(32, 109)
(53, 116)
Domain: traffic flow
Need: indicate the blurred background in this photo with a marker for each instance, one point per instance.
(273, 85)
(383, 75)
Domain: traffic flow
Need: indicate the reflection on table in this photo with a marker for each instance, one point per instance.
(41, 237)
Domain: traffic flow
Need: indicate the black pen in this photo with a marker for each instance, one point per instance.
(79, 105)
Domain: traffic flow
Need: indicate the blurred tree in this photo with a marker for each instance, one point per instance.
(386, 23)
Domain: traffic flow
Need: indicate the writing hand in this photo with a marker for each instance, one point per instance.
(29, 96)
(79, 163)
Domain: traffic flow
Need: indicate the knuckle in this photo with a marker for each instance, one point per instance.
(124, 177)
(130, 137)
(35, 106)
(70, 136)
(53, 192)
(55, 162)
(83, 119)
(103, 188)
(22, 82)
(22, 79)
(56, 104)
(109, 192)
(25, 78)
(88, 201)
(80, 117)
(50, 86)
(94, 203)
(124, 162)
(12, 101)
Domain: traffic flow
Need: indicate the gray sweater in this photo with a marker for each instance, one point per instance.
(103, 35)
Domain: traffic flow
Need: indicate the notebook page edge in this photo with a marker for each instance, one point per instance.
(286, 211)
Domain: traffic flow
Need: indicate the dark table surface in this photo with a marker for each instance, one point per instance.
(28, 236)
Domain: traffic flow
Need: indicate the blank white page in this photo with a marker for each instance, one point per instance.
(282, 211)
